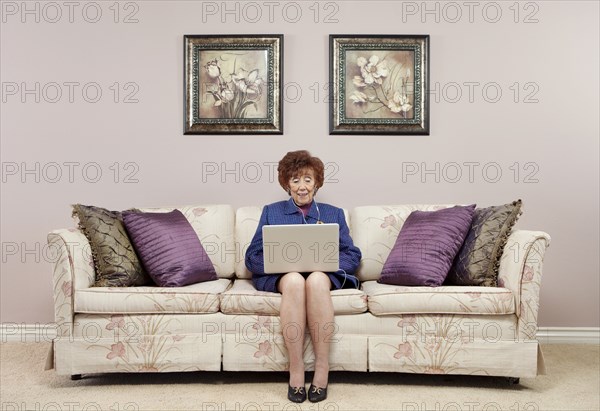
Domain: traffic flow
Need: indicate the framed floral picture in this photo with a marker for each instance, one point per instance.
(379, 84)
(233, 84)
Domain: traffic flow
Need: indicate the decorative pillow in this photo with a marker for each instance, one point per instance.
(115, 260)
(426, 246)
(478, 260)
(169, 248)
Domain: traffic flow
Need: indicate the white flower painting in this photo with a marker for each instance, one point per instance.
(380, 84)
(232, 84)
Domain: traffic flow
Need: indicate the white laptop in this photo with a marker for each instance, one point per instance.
(301, 248)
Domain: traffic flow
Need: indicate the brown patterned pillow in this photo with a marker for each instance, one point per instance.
(478, 259)
(115, 260)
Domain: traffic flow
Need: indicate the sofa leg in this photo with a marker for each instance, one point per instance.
(76, 377)
(513, 380)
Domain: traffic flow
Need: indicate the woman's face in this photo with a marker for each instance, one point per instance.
(302, 187)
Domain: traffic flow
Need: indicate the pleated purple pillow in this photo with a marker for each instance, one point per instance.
(426, 246)
(169, 248)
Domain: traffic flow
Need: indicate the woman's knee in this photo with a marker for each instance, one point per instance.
(291, 282)
(318, 281)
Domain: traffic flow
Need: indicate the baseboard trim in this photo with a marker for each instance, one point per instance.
(15, 332)
(569, 335)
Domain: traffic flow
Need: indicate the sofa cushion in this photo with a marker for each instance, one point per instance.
(375, 230)
(169, 248)
(385, 299)
(194, 298)
(478, 260)
(214, 225)
(243, 298)
(115, 261)
(426, 245)
(246, 222)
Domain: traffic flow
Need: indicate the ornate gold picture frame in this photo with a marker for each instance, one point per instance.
(233, 84)
(379, 84)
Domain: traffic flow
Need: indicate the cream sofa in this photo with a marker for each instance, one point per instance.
(228, 325)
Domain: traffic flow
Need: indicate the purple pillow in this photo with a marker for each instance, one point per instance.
(426, 246)
(169, 248)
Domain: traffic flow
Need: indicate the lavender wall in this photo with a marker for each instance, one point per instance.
(541, 133)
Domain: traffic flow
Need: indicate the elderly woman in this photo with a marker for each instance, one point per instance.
(305, 297)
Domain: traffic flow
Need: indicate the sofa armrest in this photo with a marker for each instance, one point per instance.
(521, 272)
(73, 270)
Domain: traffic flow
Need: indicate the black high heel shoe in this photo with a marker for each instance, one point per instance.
(296, 394)
(316, 394)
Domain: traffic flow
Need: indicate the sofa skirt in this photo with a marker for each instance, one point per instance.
(430, 344)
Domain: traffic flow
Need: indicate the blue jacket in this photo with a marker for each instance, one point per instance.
(286, 212)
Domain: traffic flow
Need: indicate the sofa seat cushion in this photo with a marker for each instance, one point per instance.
(385, 299)
(193, 298)
(244, 298)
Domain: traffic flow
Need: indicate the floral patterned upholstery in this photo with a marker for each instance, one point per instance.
(246, 222)
(385, 299)
(521, 271)
(243, 298)
(406, 326)
(141, 343)
(194, 298)
(151, 353)
(73, 270)
(436, 355)
(255, 342)
(374, 231)
(489, 331)
(452, 344)
(251, 353)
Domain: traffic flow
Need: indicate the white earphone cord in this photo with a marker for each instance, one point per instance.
(302, 214)
(318, 220)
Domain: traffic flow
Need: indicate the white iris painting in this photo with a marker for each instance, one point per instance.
(379, 84)
(233, 84)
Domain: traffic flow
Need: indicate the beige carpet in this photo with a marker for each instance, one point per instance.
(572, 383)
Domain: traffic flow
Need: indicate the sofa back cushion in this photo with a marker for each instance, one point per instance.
(246, 223)
(214, 226)
(375, 230)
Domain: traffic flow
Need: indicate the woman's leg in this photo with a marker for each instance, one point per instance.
(292, 314)
(319, 314)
